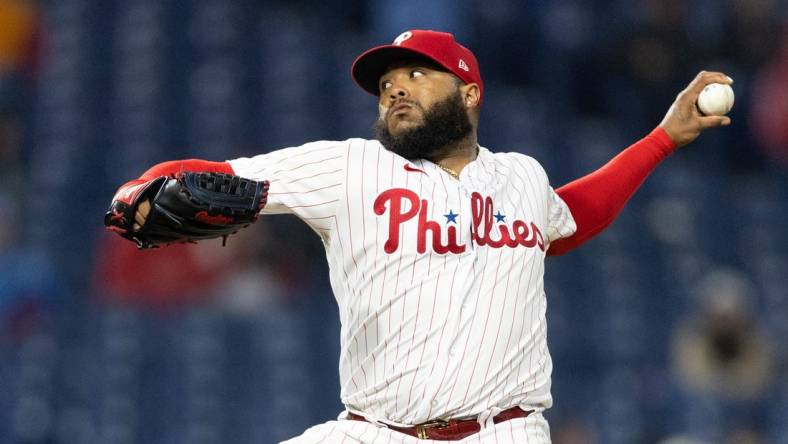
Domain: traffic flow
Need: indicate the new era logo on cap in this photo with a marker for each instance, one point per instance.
(439, 47)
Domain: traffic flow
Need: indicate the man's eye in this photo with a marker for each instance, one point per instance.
(385, 85)
(416, 73)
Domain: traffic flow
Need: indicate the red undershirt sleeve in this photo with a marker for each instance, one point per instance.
(596, 199)
(129, 191)
(178, 166)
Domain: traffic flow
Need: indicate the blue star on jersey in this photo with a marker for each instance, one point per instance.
(499, 217)
(451, 217)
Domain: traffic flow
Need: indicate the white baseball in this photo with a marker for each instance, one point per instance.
(716, 99)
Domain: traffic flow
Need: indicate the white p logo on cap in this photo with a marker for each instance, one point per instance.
(402, 37)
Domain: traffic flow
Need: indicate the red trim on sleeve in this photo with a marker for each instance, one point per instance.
(596, 199)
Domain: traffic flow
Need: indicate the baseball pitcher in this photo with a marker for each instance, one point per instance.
(436, 245)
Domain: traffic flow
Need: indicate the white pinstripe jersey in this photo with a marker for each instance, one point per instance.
(439, 282)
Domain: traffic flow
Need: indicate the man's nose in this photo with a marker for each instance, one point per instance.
(397, 91)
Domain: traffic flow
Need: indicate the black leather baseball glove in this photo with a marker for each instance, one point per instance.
(187, 207)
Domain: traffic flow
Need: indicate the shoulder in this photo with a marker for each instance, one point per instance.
(314, 149)
(323, 145)
(519, 162)
(365, 144)
(352, 145)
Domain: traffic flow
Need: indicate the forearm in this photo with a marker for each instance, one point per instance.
(596, 199)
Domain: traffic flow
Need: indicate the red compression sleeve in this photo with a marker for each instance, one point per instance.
(178, 166)
(596, 199)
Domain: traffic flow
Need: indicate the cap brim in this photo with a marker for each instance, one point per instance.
(372, 64)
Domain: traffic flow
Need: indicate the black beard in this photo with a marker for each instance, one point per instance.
(444, 124)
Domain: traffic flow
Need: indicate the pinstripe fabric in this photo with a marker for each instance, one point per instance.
(439, 282)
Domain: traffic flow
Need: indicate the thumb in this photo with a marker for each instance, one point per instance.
(714, 121)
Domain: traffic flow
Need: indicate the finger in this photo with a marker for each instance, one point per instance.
(705, 78)
(143, 209)
(714, 121)
(715, 77)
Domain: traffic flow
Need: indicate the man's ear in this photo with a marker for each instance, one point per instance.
(470, 95)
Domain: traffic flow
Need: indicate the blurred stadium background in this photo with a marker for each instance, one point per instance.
(670, 327)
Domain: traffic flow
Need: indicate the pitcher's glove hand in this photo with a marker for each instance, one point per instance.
(186, 208)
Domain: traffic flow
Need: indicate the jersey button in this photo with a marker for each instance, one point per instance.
(452, 352)
(434, 402)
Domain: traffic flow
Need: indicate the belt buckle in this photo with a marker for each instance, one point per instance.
(421, 429)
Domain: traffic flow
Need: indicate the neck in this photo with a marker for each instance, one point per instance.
(459, 154)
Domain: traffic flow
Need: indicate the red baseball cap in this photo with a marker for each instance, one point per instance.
(438, 47)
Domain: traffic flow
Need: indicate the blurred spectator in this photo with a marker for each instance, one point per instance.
(160, 278)
(650, 62)
(769, 118)
(751, 40)
(257, 267)
(681, 440)
(573, 431)
(720, 351)
(19, 28)
(735, 437)
(744, 437)
(11, 170)
(253, 285)
(29, 287)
